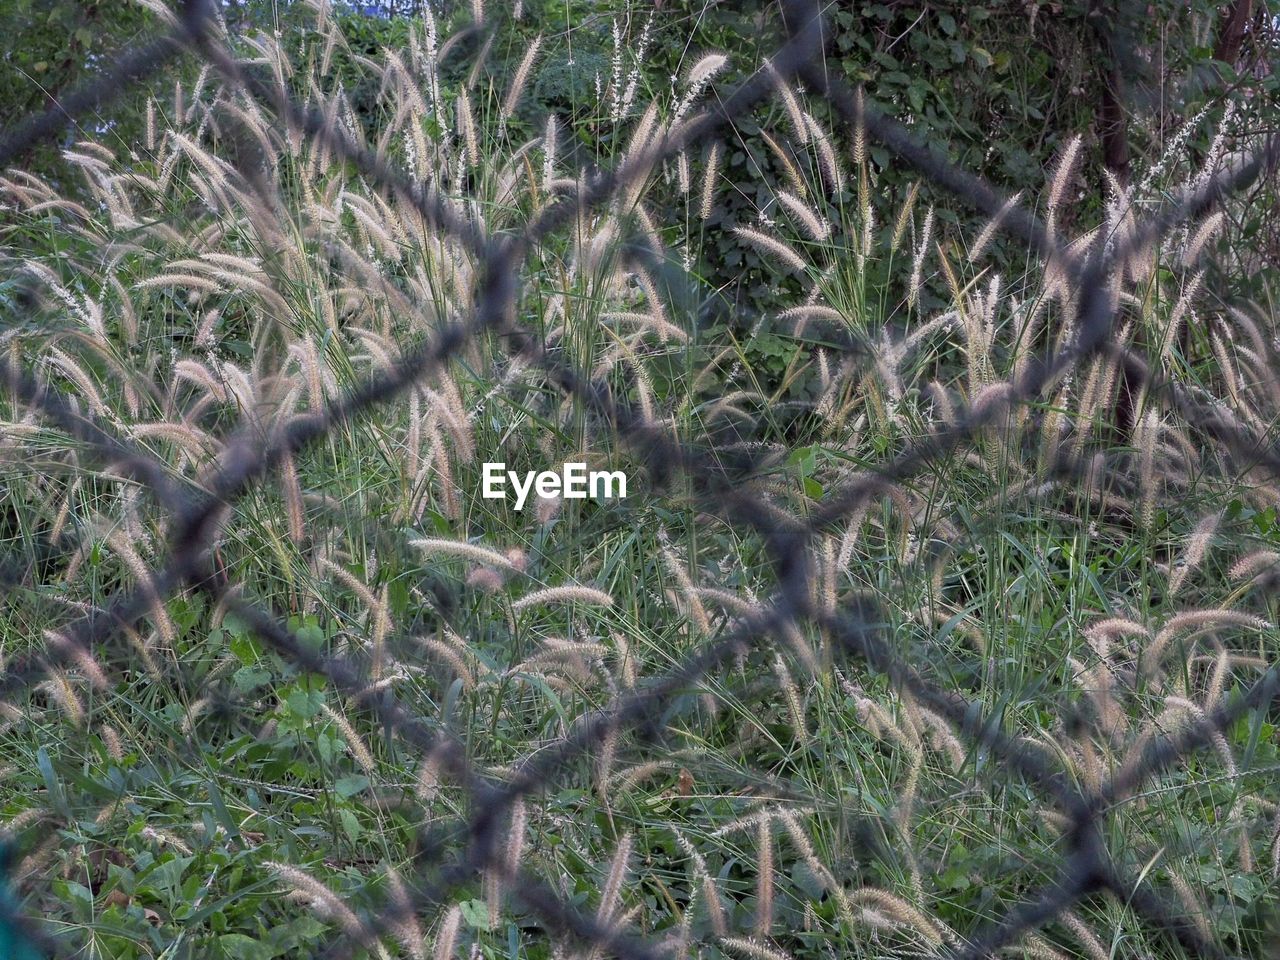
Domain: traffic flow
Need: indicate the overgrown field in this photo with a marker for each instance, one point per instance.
(1085, 573)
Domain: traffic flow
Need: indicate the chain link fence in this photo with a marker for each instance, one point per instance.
(452, 854)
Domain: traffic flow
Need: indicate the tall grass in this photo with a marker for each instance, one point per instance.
(1086, 557)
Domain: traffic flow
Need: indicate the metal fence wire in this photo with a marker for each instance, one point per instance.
(450, 854)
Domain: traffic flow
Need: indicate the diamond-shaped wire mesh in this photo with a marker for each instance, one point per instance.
(858, 641)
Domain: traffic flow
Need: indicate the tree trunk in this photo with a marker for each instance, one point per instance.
(1231, 33)
(1113, 126)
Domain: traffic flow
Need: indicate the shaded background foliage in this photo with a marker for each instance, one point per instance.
(998, 88)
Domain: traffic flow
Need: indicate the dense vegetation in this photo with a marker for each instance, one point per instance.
(793, 302)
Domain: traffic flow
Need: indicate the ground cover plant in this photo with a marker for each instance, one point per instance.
(912, 558)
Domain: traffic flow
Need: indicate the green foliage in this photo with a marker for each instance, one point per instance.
(16, 942)
(54, 45)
